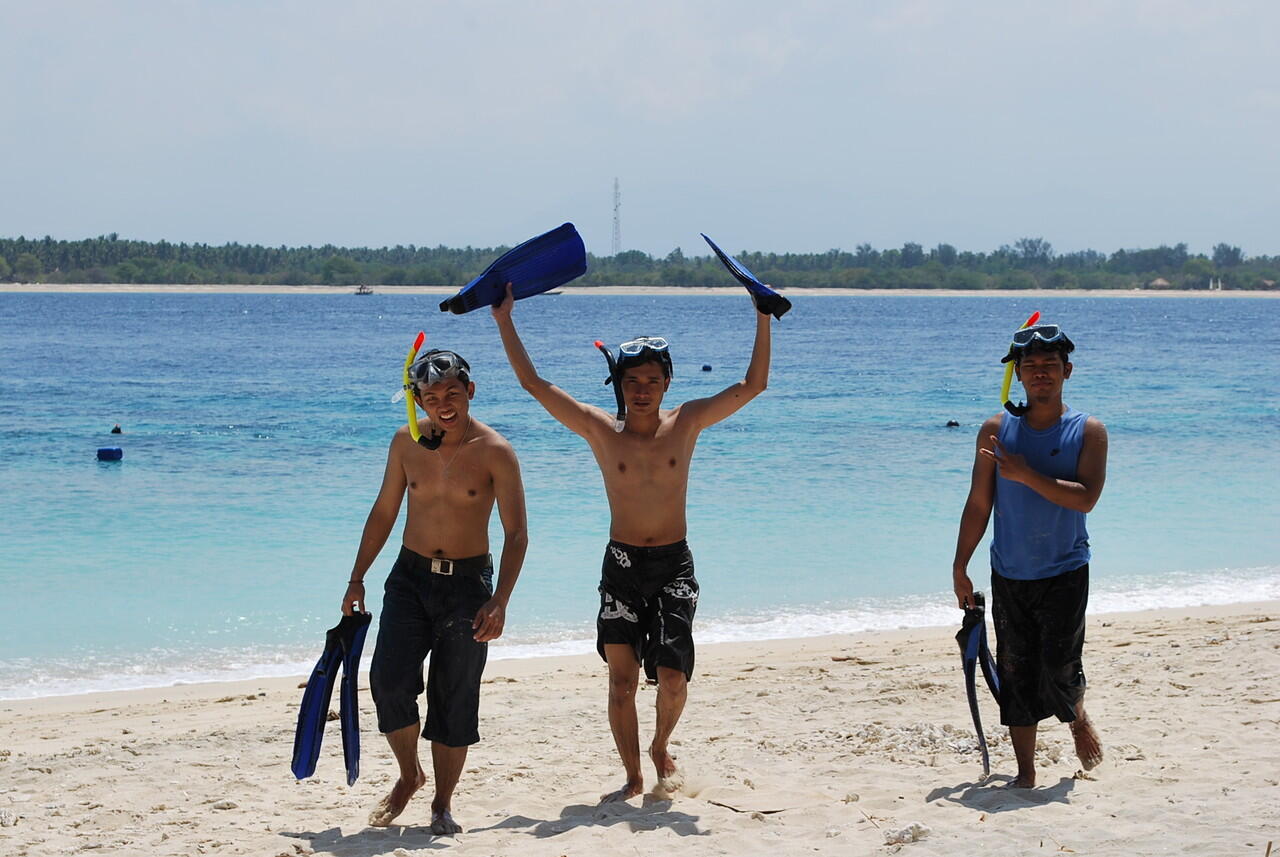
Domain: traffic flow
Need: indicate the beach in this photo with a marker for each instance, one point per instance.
(316, 289)
(831, 745)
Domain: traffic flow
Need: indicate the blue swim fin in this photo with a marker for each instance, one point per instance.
(342, 645)
(974, 652)
(766, 299)
(536, 266)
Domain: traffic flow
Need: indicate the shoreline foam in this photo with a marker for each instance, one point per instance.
(908, 613)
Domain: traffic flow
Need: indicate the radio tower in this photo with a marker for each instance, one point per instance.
(617, 218)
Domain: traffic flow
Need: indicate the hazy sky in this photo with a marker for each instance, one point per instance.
(797, 126)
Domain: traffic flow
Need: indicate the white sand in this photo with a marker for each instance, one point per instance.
(669, 291)
(821, 746)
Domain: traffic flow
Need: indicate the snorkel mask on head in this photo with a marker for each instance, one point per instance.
(431, 368)
(1031, 337)
(637, 352)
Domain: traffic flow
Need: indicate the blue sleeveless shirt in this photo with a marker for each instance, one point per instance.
(1034, 538)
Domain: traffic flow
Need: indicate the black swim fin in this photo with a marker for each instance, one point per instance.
(766, 299)
(342, 645)
(974, 652)
(536, 266)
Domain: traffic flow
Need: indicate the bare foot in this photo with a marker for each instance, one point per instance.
(630, 790)
(395, 801)
(442, 823)
(670, 778)
(1088, 745)
(1021, 782)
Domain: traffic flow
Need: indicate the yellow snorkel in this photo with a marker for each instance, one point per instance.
(408, 387)
(1008, 373)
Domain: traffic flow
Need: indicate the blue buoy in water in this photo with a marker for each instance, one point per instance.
(110, 453)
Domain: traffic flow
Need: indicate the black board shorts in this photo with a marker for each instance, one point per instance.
(431, 612)
(648, 596)
(1039, 642)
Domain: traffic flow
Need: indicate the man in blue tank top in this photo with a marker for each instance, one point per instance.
(1041, 466)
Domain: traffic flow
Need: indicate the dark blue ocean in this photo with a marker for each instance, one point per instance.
(256, 429)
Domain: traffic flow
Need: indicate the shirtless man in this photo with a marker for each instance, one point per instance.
(1041, 470)
(648, 593)
(439, 597)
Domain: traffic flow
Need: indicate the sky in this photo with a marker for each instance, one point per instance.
(791, 127)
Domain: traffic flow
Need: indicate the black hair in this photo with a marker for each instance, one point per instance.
(1063, 346)
(646, 355)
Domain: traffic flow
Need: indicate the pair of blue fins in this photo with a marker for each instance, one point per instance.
(534, 267)
(558, 257)
(975, 655)
(342, 645)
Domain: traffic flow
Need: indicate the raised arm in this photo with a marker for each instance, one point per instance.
(509, 490)
(576, 416)
(711, 410)
(378, 526)
(1080, 494)
(977, 511)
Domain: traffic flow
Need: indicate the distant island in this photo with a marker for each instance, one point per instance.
(1028, 263)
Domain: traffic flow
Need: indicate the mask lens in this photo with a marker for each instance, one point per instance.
(1044, 332)
(635, 346)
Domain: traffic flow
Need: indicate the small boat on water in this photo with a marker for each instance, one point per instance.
(362, 289)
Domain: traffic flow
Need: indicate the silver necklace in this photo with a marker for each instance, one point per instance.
(465, 432)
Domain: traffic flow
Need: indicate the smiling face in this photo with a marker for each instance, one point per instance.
(447, 402)
(643, 387)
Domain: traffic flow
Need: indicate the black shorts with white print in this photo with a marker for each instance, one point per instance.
(648, 596)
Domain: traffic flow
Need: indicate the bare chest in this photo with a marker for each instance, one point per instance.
(457, 482)
(628, 460)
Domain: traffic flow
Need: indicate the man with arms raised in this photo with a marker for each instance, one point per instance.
(648, 593)
(1042, 469)
(439, 597)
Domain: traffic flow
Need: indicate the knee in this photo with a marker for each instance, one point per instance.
(622, 688)
(672, 683)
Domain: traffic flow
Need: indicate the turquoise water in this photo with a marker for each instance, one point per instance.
(256, 429)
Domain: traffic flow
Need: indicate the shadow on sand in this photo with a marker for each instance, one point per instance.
(993, 796)
(369, 842)
(652, 814)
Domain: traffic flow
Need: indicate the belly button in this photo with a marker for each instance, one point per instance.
(413, 485)
(471, 492)
(622, 467)
(672, 462)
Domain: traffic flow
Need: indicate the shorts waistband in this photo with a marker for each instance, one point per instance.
(652, 551)
(444, 566)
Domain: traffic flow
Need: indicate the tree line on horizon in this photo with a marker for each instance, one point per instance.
(1027, 263)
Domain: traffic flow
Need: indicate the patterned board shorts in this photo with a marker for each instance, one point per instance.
(648, 596)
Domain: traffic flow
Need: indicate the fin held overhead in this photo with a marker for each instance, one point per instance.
(766, 299)
(342, 645)
(536, 266)
(974, 652)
